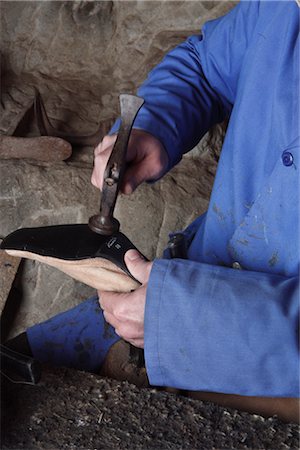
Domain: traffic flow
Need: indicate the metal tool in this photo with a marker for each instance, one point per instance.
(177, 246)
(104, 222)
(14, 365)
(21, 365)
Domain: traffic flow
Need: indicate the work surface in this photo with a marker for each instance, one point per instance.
(75, 410)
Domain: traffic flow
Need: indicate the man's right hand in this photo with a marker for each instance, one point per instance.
(146, 159)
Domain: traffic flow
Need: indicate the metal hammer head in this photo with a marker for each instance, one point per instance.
(104, 222)
(104, 225)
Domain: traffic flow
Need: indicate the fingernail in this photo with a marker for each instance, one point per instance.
(128, 188)
(133, 255)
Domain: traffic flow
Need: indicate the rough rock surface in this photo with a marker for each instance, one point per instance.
(81, 55)
(74, 410)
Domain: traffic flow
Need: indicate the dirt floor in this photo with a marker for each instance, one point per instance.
(76, 410)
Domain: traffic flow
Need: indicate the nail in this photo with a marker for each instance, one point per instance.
(133, 255)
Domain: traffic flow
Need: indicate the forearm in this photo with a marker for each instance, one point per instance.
(194, 87)
(222, 330)
(180, 105)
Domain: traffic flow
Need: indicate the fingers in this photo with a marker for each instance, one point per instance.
(137, 342)
(136, 174)
(146, 160)
(129, 332)
(124, 306)
(138, 266)
(109, 302)
(101, 156)
(125, 312)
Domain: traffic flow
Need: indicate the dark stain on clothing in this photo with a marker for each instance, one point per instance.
(82, 348)
(254, 236)
(219, 213)
(73, 322)
(51, 344)
(243, 241)
(88, 344)
(108, 331)
(273, 260)
(57, 327)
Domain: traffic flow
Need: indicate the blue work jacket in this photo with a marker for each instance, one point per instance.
(209, 326)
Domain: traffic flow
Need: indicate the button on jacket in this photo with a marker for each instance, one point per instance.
(209, 326)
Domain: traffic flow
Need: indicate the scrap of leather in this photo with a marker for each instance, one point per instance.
(93, 259)
(44, 148)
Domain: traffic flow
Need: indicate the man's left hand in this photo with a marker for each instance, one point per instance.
(126, 311)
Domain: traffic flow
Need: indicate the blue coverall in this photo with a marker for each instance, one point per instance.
(208, 326)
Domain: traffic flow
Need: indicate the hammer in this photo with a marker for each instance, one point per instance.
(105, 223)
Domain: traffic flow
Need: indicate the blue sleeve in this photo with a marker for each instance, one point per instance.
(222, 330)
(194, 86)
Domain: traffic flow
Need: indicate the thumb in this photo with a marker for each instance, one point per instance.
(138, 266)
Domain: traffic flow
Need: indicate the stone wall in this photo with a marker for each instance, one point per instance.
(81, 55)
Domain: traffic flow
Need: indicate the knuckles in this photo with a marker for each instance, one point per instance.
(129, 332)
(146, 153)
(119, 310)
(119, 314)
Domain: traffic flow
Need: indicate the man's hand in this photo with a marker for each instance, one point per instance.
(125, 312)
(146, 160)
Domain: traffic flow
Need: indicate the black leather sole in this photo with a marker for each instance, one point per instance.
(70, 243)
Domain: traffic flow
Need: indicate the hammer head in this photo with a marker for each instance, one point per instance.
(104, 222)
(105, 225)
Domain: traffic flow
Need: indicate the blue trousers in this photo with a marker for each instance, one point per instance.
(79, 338)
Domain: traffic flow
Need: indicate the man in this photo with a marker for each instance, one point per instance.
(204, 325)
